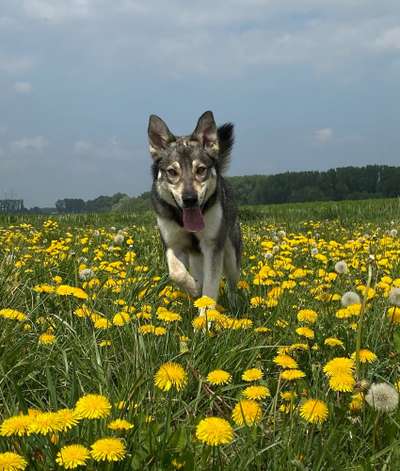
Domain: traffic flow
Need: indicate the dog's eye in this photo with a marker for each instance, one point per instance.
(201, 171)
(172, 172)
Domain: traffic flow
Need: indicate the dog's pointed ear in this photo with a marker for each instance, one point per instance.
(159, 136)
(206, 131)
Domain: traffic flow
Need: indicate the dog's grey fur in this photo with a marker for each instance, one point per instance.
(187, 173)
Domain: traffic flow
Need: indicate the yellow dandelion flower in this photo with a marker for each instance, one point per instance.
(204, 301)
(105, 343)
(147, 329)
(66, 290)
(307, 315)
(108, 449)
(256, 392)
(342, 382)
(44, 288)
(299, 346)
(169, 375)
(67, 418)
(120, 424)
(339, 365)
(101, 323)
(83, 311)
(217, 377)
(262, 330)
(159, 331)
(93, 406)
(168, 316)
(288, 395)
(292, 375)
(72, 456)
(214, 431)
(13, 314)
(314, 411)
(253, 374)
(10, 461)
(366, 356)
(247, 412)
(44, 423)
(305, 332)
(16, 425)
(393, 314)
(333, 342)
(285, 361)
(121, 318)
(199, 322)
(47, 338)
(357, 402)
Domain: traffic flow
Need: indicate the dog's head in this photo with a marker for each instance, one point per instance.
(186, 168)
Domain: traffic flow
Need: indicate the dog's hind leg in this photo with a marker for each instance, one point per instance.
(179, 274)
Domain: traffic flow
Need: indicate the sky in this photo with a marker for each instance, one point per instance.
(309, 85)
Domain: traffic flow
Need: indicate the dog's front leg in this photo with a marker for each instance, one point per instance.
(213, 260)
(179, 274)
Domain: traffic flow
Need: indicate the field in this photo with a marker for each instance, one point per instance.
(99, 350)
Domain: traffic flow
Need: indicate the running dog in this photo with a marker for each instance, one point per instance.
(196, 213)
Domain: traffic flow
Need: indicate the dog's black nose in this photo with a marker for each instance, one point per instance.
(189, 200)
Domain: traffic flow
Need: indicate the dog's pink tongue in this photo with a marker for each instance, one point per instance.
(193, 220)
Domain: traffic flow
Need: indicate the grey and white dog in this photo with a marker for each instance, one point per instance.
(196, 213)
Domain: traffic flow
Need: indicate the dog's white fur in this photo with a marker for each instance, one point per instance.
(205, 267)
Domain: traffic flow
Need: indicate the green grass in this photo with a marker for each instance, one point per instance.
(55, 376)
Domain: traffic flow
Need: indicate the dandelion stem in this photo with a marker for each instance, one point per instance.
(361, 318)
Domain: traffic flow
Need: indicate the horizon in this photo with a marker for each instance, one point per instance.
(308, 85)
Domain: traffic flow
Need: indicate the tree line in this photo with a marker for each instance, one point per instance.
(346, 183)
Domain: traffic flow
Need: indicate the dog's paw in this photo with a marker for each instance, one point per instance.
(195, 290)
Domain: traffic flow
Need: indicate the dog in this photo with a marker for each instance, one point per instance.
(196, 213)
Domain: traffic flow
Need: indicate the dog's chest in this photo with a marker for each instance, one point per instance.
(175, 236)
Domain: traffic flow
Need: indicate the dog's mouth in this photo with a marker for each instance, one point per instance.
(193, 220)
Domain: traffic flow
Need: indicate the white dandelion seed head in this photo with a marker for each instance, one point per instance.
(118, 239)
(350, 298)
(317, 235)
(113, 228)
(96, 233)
(382, 397)
(314, 251)
(394, 296)
(275, 238)
(86, 274)
(268, 255)
(393, 233)
(275, 249)
(341, 267)
(282, 234)
(82, 260)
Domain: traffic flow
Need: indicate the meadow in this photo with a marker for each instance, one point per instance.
(106, 365)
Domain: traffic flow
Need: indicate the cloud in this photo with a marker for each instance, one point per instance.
(323, 136)
(57, 10)
(15, 64)
(112, 150)
(389, 40)
(83, 147)
(35, 144)
(24, 88)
